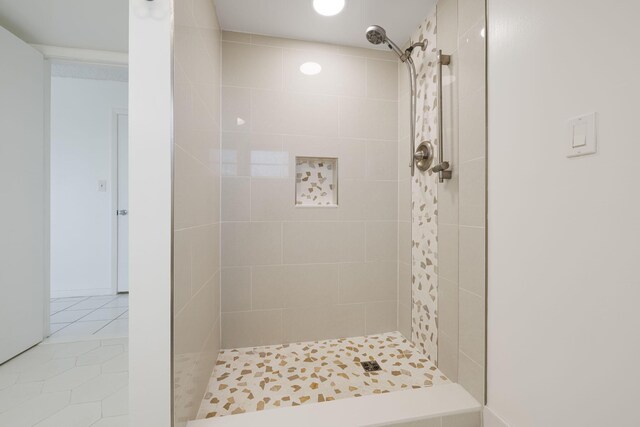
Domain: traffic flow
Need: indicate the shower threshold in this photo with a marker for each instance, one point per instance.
(445, 401)
(323, 374)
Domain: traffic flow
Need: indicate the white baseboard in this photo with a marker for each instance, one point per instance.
(490, 419)
(81, 292)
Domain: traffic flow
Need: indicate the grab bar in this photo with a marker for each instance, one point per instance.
(441, 168)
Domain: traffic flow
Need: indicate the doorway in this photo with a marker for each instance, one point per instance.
(89, 199)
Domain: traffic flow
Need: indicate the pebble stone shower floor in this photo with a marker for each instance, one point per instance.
(261, 378)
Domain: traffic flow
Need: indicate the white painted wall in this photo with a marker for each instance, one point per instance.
(23, 213)
(81, 154)
(564, 234)
(150, 144)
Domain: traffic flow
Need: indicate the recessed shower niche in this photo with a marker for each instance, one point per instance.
(316, 181)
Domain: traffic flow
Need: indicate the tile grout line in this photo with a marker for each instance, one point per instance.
(93, 310)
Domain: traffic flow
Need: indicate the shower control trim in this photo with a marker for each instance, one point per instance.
(423, 157)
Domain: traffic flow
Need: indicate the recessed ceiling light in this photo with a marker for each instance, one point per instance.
(328, 7)
(310, 68)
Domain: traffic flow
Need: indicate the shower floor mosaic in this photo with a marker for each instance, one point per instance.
(260, 378)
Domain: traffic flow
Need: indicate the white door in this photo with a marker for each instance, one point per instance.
(123, 202)
(22, 197)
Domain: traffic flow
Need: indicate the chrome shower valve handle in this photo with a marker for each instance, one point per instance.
(423, 157)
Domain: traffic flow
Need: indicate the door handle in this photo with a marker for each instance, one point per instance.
(122, 212)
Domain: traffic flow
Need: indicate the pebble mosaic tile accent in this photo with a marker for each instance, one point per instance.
(424, 247)
(316, 183)
(261, 378)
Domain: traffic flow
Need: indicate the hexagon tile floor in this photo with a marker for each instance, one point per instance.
(82, 383)
(260, 378)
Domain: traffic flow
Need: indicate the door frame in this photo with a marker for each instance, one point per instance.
(115, 113)
(81, 56)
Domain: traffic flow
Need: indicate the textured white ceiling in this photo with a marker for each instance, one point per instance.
(297, 19)
(84, 24)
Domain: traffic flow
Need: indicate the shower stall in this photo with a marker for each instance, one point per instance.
(328, 236)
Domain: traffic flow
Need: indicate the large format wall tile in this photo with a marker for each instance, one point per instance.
(323, 242)
(294, 113)
(272, 199)
(366, 282)
(341, 75)
(472, 60)
(368, 118)
(314, 285)
(236, 111)
(461, 210)
(448, 303)
(471, 376)
(251, 328)
(472, 326)
(472, 259)
(448, 355)
(303, 324)
(382, 238)
(470, 12)
(381, 160)
(325, 271)
(473, 127)
(196, 200)
(251, 243)
(382, 79)
(380, 316)
(239, 66)
(253, 155)
(236, 289)
(236, 199)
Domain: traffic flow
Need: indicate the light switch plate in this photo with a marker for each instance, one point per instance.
(102, 185)
(581, 136)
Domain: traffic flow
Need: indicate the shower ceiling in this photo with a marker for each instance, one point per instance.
(297, 19)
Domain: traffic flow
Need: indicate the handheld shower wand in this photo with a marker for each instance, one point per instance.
(377, 35)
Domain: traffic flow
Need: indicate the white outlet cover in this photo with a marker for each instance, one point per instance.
(581, 135)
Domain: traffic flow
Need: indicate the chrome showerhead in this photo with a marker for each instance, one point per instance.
(376, 34)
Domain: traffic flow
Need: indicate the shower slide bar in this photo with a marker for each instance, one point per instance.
(441, 168)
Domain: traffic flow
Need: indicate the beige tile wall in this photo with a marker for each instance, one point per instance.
(196, 286)
(448, 200)
(461, 201)
(300, 273)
